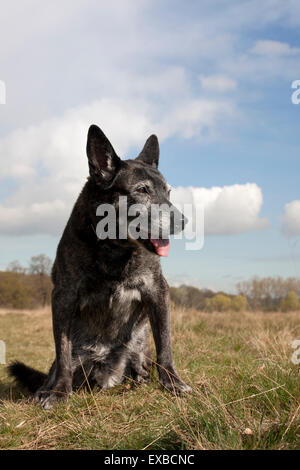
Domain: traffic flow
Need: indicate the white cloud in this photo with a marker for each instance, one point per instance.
(48, 162)
(117, 49)
(217, 83)
(228, 209)
(49, 165)
(274, 48)
(134, 49)
(144, 54)
(291, 218)
(46, 217)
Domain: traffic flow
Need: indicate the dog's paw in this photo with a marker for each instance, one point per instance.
(49, 398)
(142, 379)
(176, 386)
(173, 383)
(140, 371)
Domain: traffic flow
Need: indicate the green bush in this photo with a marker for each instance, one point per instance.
(225, 303)
(239, 303)
(290, 302)
(219, 303)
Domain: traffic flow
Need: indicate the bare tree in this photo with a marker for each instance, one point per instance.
(267, 293)
(15, 267)
(41, 266)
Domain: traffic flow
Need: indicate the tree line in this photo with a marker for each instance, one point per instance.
(265, 294)
(26, 287)
(30, 287)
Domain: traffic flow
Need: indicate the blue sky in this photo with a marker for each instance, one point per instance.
(212, 79)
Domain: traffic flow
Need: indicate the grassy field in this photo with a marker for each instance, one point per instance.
(246, 390)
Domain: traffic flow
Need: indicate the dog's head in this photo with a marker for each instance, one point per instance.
(150, 216)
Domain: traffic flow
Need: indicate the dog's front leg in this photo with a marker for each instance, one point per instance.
(58, 385)
(159, 315)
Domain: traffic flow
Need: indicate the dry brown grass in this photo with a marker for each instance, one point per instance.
(246, 390)
(31, 313)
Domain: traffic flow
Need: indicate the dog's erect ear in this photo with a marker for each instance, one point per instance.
(103, 160)
(150, 152)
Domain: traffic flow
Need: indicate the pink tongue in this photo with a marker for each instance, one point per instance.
(161, 246)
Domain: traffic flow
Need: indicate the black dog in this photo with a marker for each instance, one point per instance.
(105, 290)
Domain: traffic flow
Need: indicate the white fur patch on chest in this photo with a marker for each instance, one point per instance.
(124, 296)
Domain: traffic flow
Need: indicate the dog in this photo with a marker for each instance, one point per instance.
(107, 291)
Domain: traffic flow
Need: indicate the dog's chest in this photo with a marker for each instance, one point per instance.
(110, 312)
(112, 302)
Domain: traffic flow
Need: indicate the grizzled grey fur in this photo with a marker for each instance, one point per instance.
(107, 291)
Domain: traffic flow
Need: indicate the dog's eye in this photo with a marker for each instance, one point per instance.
(142, 189)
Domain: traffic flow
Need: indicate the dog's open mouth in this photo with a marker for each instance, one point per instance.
(161, 245)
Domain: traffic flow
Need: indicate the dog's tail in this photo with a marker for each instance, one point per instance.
(27, 376)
